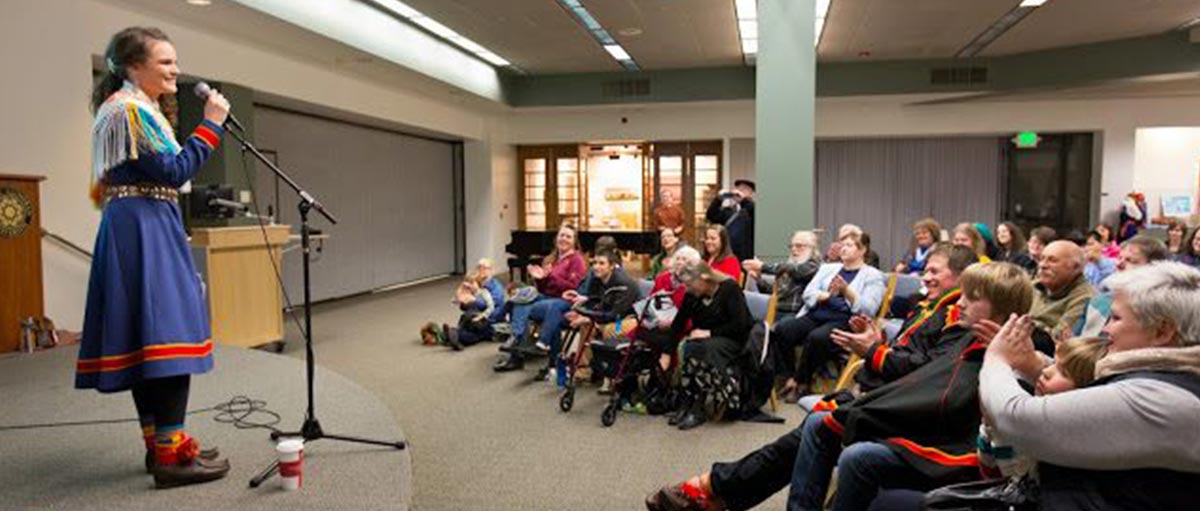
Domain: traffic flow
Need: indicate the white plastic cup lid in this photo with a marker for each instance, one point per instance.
(289, 446)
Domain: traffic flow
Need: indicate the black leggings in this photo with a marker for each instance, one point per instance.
(162, 401)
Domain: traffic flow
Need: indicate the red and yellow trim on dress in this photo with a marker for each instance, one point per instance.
(148, 354)
(936, 455)
(827, 405)
(207, 135)
(833, 424)
(877, 358)
(949, 299)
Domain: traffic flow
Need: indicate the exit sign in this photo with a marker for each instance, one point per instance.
(1026, 140)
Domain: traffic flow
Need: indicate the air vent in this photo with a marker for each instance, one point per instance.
(626, 88)
(958, 75)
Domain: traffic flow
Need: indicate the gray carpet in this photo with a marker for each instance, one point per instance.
(482, 440)
(100, 466)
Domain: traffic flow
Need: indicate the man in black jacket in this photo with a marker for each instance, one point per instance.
(735, 210)
(920, 339)
(916, 432)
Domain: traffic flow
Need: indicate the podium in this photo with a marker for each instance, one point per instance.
(245, 303)
(20, 256)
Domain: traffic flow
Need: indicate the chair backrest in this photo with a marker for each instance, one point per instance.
(758, 304)
(907, 286)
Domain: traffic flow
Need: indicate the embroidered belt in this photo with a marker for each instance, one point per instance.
(156, 192)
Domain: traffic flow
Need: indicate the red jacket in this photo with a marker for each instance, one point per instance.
(566, 274)
(729, 266)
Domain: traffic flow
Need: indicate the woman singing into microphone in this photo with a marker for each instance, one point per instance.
(146, 325)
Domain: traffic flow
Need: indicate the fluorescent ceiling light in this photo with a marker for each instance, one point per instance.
(415, 17)
(593, 27)
(750, 46)
(817, 29)
(1031, 3)
(617, 52)
(399, 8)
(746, 9)
(823, 8)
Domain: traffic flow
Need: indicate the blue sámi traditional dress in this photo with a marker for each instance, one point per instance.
(146, 314)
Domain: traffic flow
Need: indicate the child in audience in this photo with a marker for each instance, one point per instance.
(1074, 367)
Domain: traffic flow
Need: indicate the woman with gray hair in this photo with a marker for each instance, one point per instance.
(1131, 440)
(715, 323)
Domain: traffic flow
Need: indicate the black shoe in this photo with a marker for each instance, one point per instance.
(692, 419)
(451, 335)
(513, 363)
(677, 415)
(542, 374)
(532, 350)
(672, 498)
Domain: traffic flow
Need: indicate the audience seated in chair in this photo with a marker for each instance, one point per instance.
(1191, 250)
(1039, 238)
(834, 253)
(559, 273)
(718, 254)
(1013, 248)
(670, 282)
(1061, 293)
(919, 339)
(1176, 229)
(967, 235)
(839, 291)
(1130, 440)
(791, 276)
(670, 241)
(714, 323)
(926, 232)
(1136, 252)
(884, 437)
(1098, 266)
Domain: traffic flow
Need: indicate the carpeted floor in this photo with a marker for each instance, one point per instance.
(481, 440)
(100, 466)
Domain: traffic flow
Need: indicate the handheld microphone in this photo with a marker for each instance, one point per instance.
(203, 91)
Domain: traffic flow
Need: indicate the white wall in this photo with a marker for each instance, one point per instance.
(1115, 120)
(47, 46)
(1166, 160)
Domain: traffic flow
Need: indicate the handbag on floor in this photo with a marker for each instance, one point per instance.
(1004, 494)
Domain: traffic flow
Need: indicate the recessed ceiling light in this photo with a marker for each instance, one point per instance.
(199, 3)
(630, 31)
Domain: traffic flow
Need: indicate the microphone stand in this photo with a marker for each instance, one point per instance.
(311, 429)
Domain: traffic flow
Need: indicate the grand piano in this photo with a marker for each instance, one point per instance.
(527, 247)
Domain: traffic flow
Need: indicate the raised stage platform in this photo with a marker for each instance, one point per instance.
(100, 466)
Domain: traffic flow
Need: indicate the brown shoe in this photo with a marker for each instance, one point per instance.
(672, 498)
(194, 471)
(209, 454)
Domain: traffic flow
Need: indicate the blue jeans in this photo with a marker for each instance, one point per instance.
(815, 459)
(865, 468)
(548, 312)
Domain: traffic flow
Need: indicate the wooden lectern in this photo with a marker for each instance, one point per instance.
(20, 256)
(244, 300)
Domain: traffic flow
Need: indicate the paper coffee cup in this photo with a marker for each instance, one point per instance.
(291, 463)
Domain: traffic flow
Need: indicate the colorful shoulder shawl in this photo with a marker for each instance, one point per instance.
(126, 124)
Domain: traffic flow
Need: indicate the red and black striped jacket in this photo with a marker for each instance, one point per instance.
(930, 417)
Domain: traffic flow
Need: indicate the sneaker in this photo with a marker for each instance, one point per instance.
(606, 387)
(451, 336)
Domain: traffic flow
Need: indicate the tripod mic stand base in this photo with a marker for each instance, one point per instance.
(311, 431)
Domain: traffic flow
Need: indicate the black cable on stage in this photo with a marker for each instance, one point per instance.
(238, 411)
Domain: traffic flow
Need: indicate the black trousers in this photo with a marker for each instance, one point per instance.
(816, 338)
(162, 401)
(747, 482)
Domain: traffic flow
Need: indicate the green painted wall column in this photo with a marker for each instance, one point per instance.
(785, 103)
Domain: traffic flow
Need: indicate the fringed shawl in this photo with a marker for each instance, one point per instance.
(127, 124)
